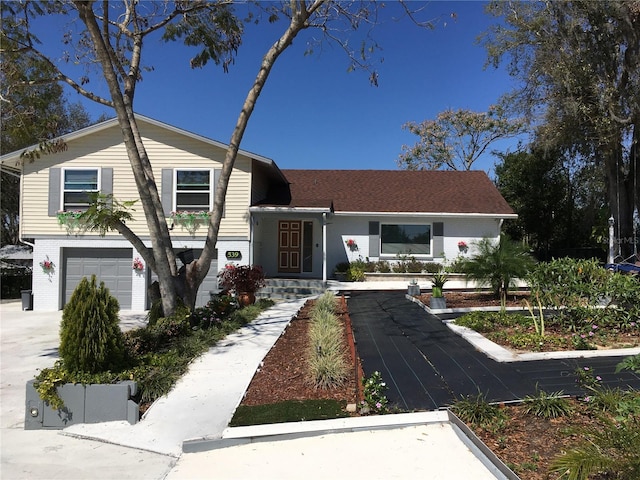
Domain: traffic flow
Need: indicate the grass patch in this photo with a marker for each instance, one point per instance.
(288, 411)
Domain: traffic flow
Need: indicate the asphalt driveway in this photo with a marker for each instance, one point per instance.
(426, 366)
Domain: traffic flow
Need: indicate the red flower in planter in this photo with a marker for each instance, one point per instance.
(242, 278)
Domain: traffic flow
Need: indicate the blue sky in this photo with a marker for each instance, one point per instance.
(312, 112)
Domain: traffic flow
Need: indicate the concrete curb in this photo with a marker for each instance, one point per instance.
(501, 354)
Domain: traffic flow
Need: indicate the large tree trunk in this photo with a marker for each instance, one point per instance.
(163, 257)
(196, 273)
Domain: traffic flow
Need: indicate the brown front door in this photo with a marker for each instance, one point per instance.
(289, 246)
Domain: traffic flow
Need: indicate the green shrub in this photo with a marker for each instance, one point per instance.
(373, 389)
(547, 405)
(342, 267)
(482, 322)
(90, 336)
(498, 264)
(212, 314)
(382, 266)
(629, 363)
(567, 282)
(356, 272)
(533, 341)
(476, 410)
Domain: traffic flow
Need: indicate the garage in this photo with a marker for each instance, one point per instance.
(110, 265)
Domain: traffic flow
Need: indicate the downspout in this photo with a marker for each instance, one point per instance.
(324, 249)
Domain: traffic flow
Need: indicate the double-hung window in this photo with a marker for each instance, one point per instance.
(398, 239)
(194, 190)
(77, 185)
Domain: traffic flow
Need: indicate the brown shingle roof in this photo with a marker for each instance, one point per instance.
(396, 191)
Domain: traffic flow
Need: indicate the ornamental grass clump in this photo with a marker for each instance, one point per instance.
(547, 405)
(326, 302)
(326, 352)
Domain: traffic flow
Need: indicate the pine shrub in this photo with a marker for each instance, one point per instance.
(90, 337)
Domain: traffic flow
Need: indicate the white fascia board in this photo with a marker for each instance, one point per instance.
(288, 210)
(426, 214)
(113, 121)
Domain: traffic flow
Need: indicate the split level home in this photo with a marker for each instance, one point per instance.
(297, 224)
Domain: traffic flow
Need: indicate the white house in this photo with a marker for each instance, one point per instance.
(295, 223)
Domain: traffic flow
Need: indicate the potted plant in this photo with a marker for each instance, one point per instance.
(243, 281)
(437, 297)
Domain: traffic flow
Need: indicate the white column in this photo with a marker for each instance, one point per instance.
(611, 257)
(324, 248)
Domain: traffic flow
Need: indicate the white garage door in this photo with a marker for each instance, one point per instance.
(110, 265)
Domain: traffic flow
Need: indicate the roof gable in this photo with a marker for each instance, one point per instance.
(391, 191)
(13, 157)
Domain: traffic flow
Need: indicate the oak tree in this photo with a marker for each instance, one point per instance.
(579, 68)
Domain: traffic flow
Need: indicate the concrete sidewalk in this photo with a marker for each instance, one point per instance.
(199, 409)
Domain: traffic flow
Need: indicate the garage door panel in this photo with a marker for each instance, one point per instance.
(111, 266)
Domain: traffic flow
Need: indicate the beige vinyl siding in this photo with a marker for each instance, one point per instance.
(166, 149)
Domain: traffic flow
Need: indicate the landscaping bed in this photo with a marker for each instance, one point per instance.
(522, 332)
(525, 442)
(283, 375)
(477, 299)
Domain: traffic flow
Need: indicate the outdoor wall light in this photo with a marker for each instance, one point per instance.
(34, 411)
(611, 221)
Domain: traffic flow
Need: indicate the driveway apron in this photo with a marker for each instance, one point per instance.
(426, 366)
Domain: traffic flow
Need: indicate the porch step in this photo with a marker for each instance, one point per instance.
(282, 289)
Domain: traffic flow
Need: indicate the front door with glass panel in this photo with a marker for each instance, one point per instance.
(289, 246)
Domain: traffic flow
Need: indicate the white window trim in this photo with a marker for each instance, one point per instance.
(419, 255)
(175, 185)
(63, 174)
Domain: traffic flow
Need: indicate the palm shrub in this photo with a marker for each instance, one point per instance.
(609, 449)
(90, 337)
(498, 265)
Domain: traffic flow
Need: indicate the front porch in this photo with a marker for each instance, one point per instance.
(286, 289)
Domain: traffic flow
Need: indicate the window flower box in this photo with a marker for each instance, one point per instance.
(190, 220)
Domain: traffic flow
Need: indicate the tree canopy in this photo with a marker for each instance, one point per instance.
(112, 38)
(579, 68)
(456, 138)
(31, 113)
(557, 202)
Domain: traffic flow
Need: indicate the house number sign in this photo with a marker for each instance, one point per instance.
(233, 255)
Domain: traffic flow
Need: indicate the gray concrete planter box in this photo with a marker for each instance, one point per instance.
(93, 403)
(437, 303)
